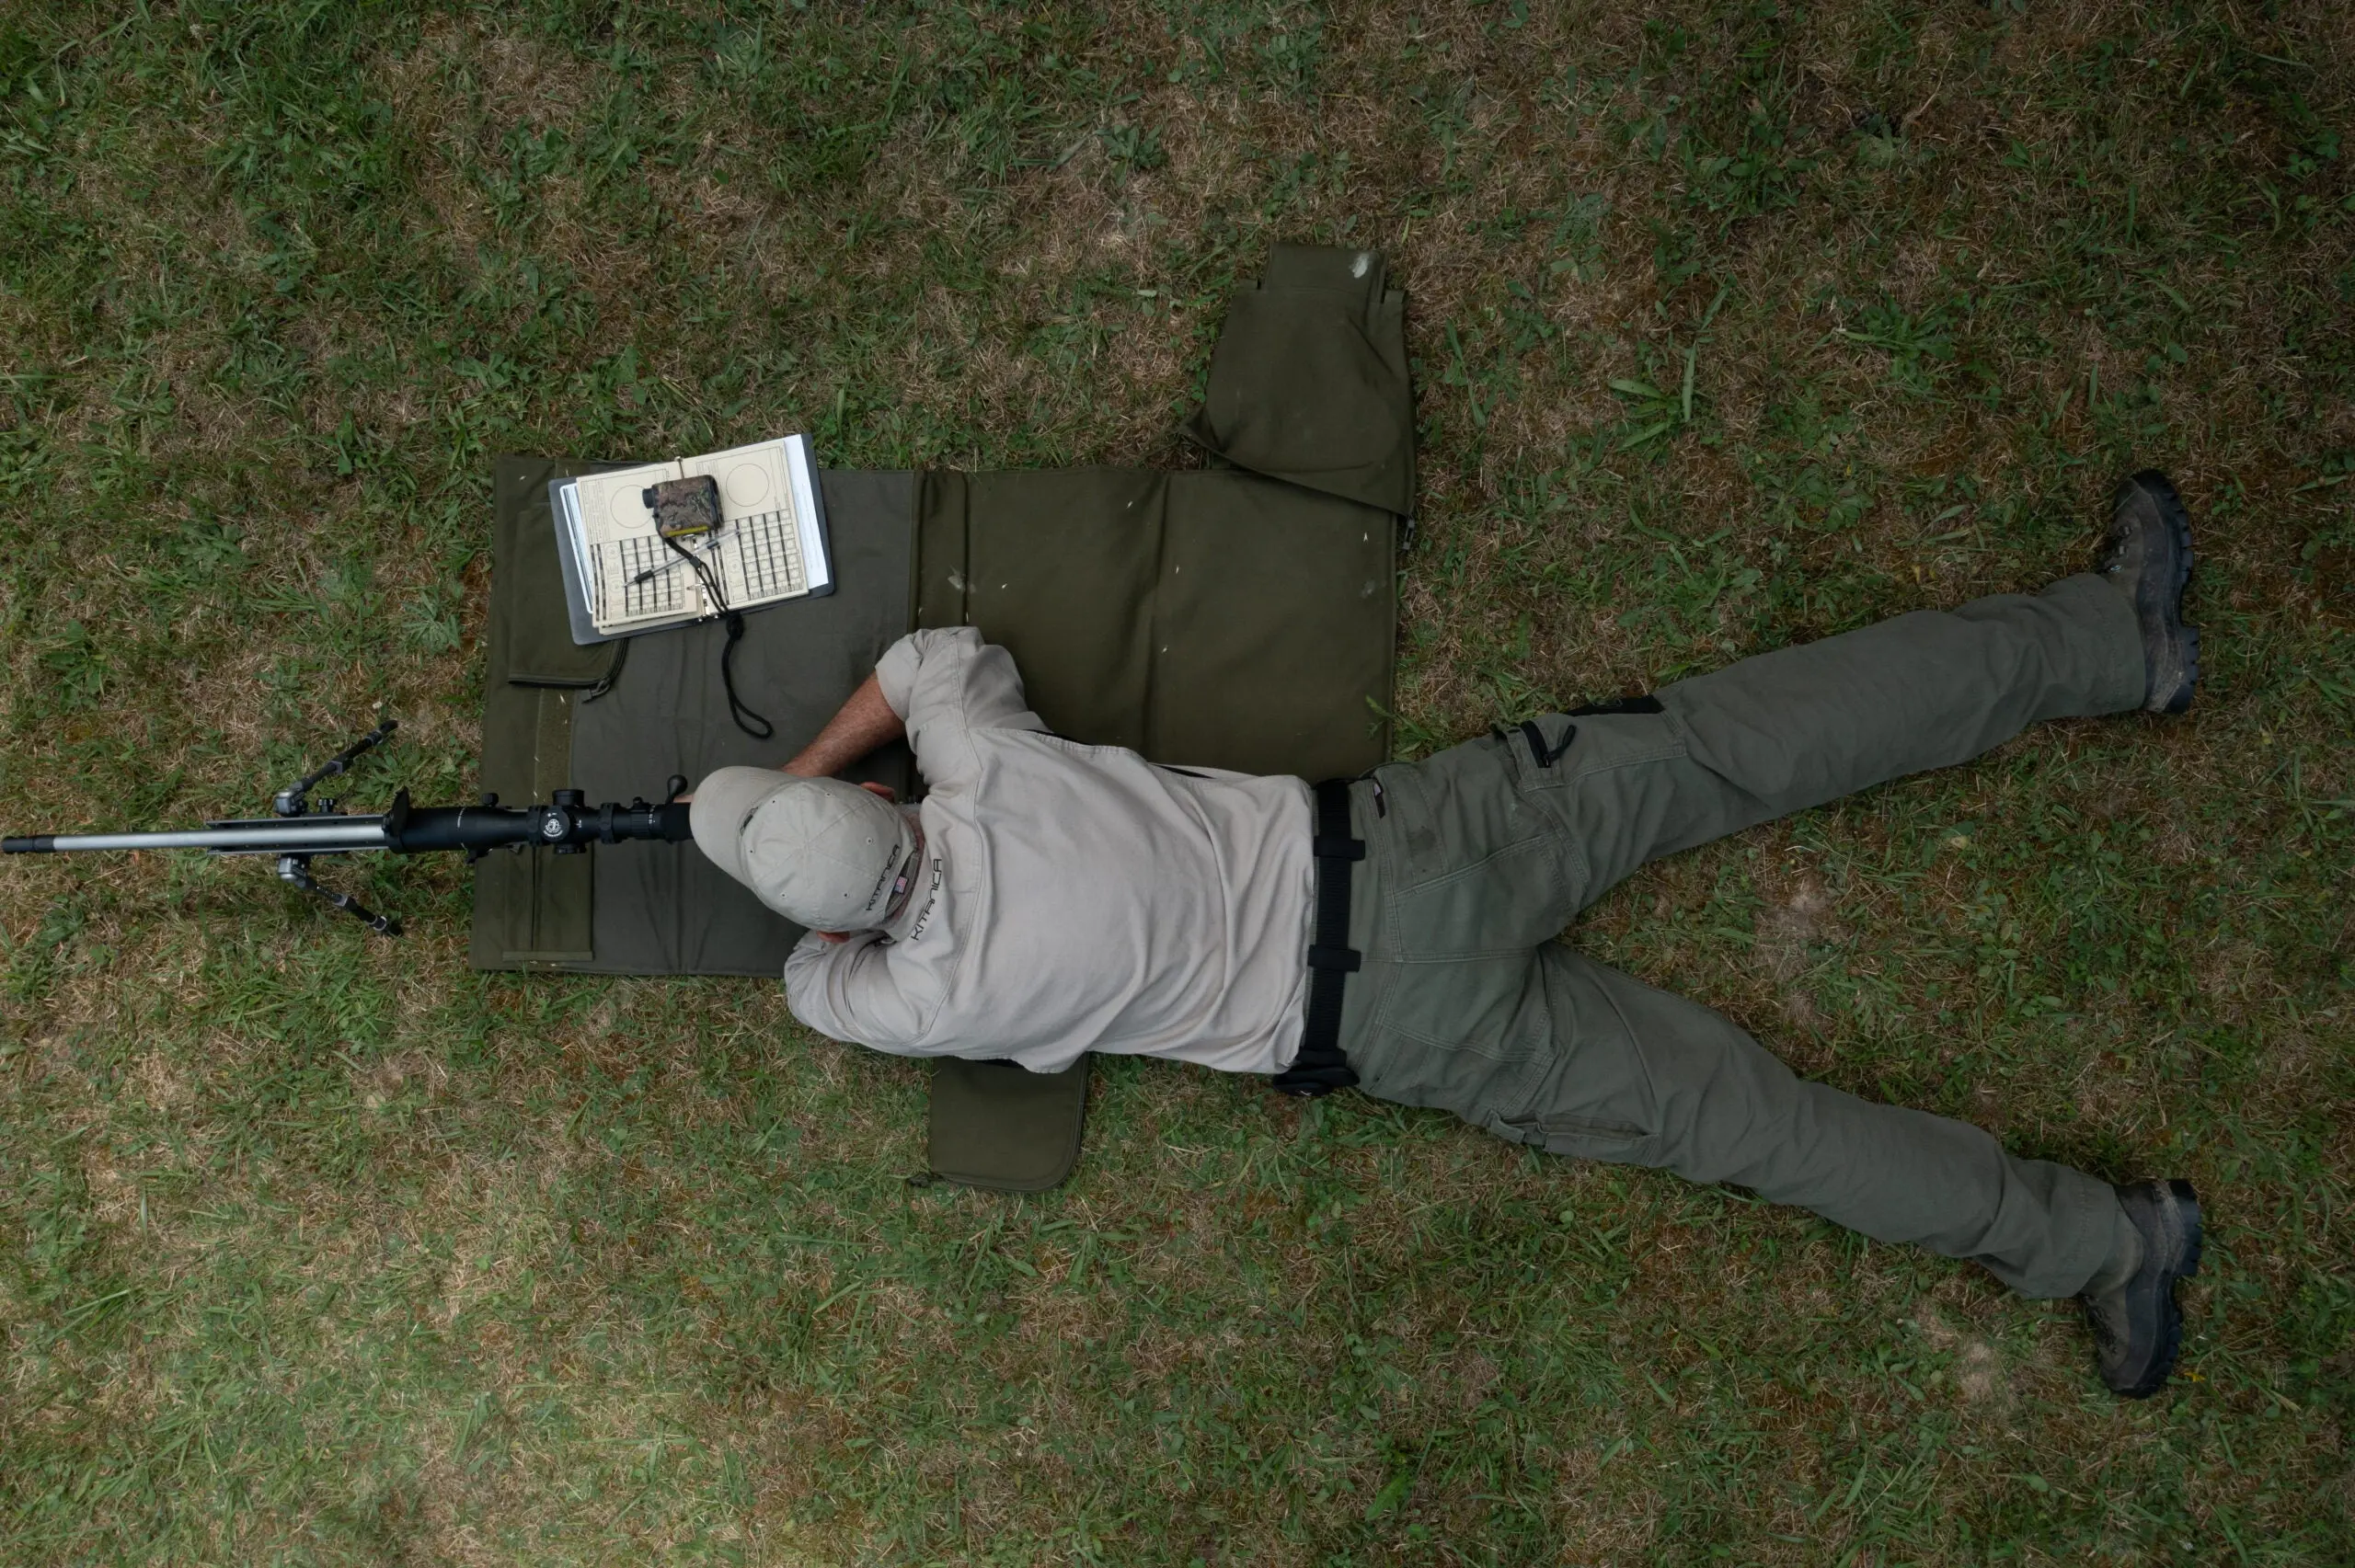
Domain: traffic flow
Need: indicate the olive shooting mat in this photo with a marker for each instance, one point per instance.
(1238, 616)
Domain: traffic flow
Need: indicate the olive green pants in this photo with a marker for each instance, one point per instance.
(1478, 857)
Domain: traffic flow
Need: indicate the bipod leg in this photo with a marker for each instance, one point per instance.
(295, 869)
(290, 801)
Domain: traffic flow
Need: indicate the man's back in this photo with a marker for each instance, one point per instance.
(1072, 897)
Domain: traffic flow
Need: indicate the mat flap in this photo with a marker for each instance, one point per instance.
(997, 1125)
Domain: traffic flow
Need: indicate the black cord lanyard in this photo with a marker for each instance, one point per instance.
(737, 709)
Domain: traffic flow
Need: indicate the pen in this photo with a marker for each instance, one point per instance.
(651, 573)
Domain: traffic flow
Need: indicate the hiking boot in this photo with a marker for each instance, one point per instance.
(2148, 558)
(2137, 1326)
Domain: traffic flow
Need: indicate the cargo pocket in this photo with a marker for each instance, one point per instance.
(1483, 866)
(1609, 741)
(1457, 1036)
(1542, 750)
(1582, 1138)
(1594, 1099)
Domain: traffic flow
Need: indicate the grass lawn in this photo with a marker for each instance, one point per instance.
(1735, 322)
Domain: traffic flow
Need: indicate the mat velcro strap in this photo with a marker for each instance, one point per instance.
(1320, 1068)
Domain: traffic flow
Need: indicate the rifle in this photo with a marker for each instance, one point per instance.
(297, 832)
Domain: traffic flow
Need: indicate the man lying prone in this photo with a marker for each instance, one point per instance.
(1396, 933)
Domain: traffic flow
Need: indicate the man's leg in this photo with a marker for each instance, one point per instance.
(1497, 844)
(1547, 1046)
(1802, 725)
(1494, 839)
(1715, 1106)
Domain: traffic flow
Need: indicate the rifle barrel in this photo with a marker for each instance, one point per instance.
(307, 834)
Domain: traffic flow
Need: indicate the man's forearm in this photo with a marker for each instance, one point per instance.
(865, 722)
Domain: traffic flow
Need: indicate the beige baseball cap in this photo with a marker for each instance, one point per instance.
(822, 852)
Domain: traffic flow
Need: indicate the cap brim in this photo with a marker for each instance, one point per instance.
(717, 814)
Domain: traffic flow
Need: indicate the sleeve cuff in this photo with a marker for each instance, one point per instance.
(895, 674)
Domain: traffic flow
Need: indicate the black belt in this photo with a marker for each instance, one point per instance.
(1320, 1068)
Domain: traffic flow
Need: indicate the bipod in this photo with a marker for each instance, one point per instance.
(294, 801)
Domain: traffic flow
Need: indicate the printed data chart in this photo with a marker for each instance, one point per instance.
(761, 558)
(638, 578)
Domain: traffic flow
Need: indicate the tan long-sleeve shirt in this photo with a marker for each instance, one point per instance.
(1074, 898)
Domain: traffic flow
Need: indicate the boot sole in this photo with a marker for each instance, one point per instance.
(2163, 1366)
(2156, 486)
